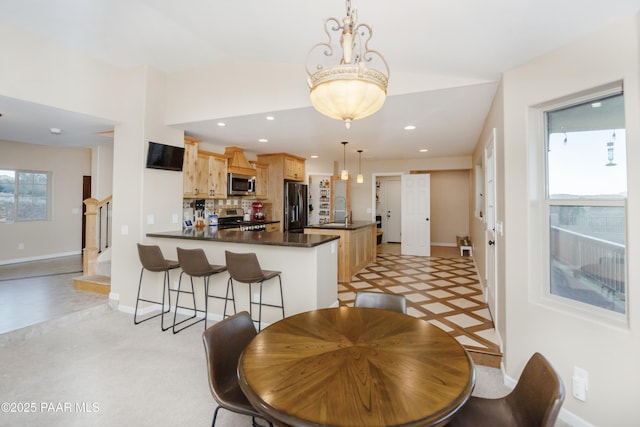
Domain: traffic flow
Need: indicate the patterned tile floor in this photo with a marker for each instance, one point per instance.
(444, 291)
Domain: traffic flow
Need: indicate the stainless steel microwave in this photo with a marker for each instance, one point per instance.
(241, 185)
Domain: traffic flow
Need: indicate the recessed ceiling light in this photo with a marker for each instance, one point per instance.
(222, 124)
(596, 104)
(55, 131)
(263, 140)
(423, 150)
(314, 157)
(409, 127)
(270, 118)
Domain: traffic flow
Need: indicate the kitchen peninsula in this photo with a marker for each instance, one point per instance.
(356, 247)
(308, 264)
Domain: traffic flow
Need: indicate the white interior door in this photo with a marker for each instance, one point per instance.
(392, 214)
(490, 233)
(416, 209)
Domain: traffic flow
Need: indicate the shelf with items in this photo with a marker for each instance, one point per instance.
(324, 205)
(319, 199)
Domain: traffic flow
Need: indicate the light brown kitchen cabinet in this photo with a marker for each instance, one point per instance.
(262, 180)
(282, 166)
(293, 168)
(202, 175)
(273, 227)
(217, 175)
(190, 167)
(204, 172)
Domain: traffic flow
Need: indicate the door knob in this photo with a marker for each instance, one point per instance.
(491, 242)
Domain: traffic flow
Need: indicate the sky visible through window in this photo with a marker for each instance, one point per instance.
(577, 167)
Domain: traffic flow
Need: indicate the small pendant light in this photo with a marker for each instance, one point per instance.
(345, 173)
(360, 178)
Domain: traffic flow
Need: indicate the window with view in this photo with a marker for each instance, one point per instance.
(585, 198)
(24, 195)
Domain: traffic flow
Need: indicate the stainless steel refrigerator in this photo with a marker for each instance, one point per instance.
(295, 206)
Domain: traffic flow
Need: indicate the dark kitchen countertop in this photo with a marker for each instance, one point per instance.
(340, 225)
(212, 234)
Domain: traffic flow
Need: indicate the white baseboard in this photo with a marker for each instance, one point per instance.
(39, 257)
(448, 245)
(572, 419)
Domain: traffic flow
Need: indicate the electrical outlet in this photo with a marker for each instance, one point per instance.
(20, 246)
(580, 383)
(256, 296)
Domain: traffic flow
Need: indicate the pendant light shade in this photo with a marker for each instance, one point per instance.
(348, 87)
(360, 178)
(345, 173)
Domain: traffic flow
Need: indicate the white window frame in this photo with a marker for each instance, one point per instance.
(16, 203)
(540, 290)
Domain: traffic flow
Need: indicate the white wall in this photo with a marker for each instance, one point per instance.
(63, 234)
(102, 170)
(609, 353)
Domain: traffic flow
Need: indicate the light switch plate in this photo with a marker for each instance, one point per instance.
(580, 383)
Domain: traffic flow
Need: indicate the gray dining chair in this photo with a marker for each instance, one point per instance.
(393, 302)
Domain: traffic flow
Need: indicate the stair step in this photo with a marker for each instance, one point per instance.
(485, 358)
(97, 284)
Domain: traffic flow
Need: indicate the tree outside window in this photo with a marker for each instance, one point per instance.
(24, 195)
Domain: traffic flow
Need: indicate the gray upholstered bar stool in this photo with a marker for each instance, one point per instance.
(245, 268)
(152, 259)
(194, 263)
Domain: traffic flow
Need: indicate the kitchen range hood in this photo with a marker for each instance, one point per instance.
(237, 163)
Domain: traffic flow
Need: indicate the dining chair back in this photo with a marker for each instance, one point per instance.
(535, 401)
(382, 300)
(223, 344)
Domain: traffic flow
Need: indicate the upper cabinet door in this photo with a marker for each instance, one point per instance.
(189, 168)
(293, 169)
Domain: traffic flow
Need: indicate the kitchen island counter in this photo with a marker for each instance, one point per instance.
(249, 237)
(308, 263)
(355, 225)
(356, 247)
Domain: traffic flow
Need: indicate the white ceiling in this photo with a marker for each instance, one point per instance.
(462, 40)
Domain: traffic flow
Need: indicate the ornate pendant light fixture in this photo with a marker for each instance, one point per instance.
(360, 178)
(345, 173)
(351, 89)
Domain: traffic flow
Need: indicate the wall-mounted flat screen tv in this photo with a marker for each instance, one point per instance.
(168, 157)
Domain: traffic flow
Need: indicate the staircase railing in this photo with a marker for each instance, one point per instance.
(98, 230)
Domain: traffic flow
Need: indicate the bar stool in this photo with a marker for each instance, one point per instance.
(152, 260)
(245, 268)
(194, 262)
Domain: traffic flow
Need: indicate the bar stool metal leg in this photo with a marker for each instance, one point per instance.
(195, 307)
(165, 286)
(152, 260)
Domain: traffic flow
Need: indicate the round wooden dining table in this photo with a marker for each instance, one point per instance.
(356, 367)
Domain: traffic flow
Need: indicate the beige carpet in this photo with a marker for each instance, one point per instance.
(129, 375)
